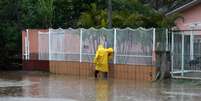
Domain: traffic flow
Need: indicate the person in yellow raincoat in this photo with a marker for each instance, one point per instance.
(101, 60)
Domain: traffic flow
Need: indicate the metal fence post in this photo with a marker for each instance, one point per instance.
(154, 42)
(49, 41)
(25, 46)
(191, 46)
(182, 56)
(115, 45)
(166, 48)
(80, 44)
(172, 55)
(39, 47)
(27, 43)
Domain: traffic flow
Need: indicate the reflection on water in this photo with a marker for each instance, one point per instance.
(102, 90)
(40, 86)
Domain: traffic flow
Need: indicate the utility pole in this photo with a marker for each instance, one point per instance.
(110, 13)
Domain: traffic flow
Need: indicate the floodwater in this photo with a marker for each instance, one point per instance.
(42, 86)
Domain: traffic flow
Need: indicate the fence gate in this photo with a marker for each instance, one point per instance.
(43, 46)
(186, 54)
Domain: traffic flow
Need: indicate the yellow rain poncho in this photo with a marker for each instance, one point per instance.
(101, 59)
(110, 53)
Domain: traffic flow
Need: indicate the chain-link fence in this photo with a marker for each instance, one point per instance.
(131, 46)
(134, 46)
(186, 54)
(91, 38)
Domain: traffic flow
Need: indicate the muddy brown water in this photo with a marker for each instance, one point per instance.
(43, 86)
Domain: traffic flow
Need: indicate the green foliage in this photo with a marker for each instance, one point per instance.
(29, 14)
(17, 15)
(9, 30)
(45, 12)
(93, 17)
(36, 13)
(67, 13)
(10, 42)
(126, 13)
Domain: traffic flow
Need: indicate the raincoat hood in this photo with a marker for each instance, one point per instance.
(100, 47)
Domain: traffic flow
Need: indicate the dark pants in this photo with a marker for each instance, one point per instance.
(97, 72)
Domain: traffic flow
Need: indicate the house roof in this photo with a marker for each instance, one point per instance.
(184, 7)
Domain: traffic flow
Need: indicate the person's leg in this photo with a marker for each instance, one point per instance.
(105, 75)
(96, 73)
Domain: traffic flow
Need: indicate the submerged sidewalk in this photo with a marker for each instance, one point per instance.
(42, 86)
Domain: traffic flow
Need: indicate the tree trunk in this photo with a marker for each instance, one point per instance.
(163, 66)
(110, 13)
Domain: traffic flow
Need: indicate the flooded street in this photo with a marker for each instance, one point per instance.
(42, 86)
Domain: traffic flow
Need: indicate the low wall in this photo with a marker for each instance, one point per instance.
(42, 65)
(61, 67)
(133, 72)
(117, 71)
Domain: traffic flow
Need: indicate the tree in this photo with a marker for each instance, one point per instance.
(66, 13)
(45, 12)
(93, 17)
(16, 15)
(28, 15)
(37, 13)
(110, 13)
(9, 30)
(132, 13)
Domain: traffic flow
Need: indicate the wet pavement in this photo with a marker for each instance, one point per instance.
(43, 86)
